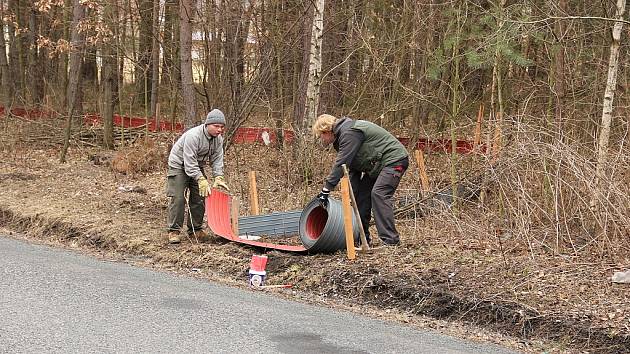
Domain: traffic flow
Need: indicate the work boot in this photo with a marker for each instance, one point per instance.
(201, 236)
(173, 237)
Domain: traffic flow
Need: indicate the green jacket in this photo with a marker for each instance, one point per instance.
(364, 147)
(379, 149)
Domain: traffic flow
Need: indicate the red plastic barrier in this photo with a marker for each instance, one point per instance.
(242, 134)
(134, 122)
(443, 145)
(218, 215)
(255, 135)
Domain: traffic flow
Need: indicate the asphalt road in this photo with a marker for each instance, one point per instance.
(57, 301)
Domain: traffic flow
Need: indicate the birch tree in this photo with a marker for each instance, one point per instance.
(314, 66)
(609, 95)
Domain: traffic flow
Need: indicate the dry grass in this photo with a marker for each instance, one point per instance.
(535, 256)
(144, 156)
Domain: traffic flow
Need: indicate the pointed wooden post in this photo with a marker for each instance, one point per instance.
(157, 117)
(234, 216)
(364, 244)
(498, 138)
(253, 194)
(477, 140)
(422, 171)
(347, 218)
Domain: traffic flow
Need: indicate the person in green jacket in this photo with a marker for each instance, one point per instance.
(376, 162)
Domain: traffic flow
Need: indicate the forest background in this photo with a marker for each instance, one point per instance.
(541, 85)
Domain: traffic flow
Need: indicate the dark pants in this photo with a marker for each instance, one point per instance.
(375, 195)
(178, 182)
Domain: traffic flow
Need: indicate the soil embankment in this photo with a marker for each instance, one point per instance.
(440, 270)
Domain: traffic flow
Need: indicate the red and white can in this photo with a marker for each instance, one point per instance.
(257, 271)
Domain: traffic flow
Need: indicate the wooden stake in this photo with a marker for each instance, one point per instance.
(477, 140)
(274, 286)
(347, 218)
(364, 244)
(157, 117)
(496, 145)
(422, 171)
(253, 194)
(234, 216)
(482, 194)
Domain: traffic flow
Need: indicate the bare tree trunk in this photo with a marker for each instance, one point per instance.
(355, 57)
(89, 69)
(424, 36)
(35, 72)
(77, 45)
(314, 66)
(155, 58)
(558, 70)
(46, 63)
(208, 78)
(120, 32)
(300, 76)
(333, 54)
(237, 17)
(62, 69)
(7, 83)
(609, 95)
(16, 52)
(170, 62)
(143, 65)
(186, 15)
(108, 77)
(455, 107)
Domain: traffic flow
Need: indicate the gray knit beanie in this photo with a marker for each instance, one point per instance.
(215, 117)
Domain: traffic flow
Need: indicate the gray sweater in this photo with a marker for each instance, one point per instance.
(193, 149)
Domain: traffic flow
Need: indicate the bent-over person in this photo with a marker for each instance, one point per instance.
(196, 147)
(376, 162)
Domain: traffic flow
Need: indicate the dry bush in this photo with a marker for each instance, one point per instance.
(145, 156)
(17, 133)
(545, 189)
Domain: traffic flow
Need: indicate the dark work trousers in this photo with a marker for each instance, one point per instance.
(375, 195)
(178, 182)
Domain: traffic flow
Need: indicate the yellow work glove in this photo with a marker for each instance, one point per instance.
(219, 181)
(204, 187)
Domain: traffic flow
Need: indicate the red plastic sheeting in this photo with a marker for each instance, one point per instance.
(242, 134)
(218, 215)
(444, 145)
(255, 135)
(135, 122)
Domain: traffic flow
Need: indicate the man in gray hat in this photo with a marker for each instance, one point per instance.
(185, 172)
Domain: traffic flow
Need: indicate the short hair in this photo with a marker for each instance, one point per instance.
(323, 123)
